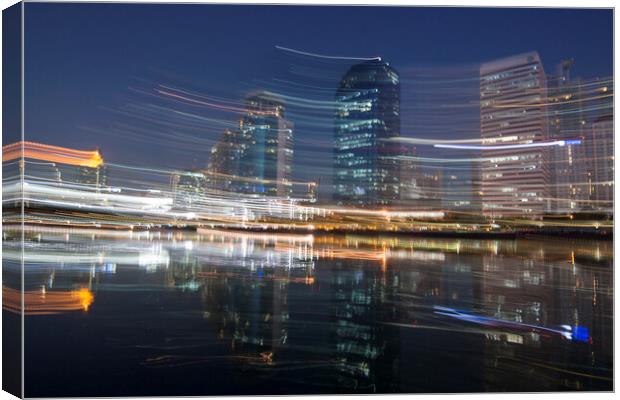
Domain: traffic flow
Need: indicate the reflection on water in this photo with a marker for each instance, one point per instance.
(183, 313)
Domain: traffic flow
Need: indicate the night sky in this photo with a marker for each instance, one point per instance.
(87, 63)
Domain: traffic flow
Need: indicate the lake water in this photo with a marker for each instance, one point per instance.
(213, 313)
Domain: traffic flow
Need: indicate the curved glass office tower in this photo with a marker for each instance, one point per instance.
(366, 172)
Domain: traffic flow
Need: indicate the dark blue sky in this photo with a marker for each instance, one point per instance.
(81, 59)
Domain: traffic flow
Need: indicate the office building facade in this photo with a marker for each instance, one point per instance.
(258, 157)
(513, 122)
(223, 165)
(581, 115)
(568, 164)
(602, 150)
(267, 155)
(366, 168)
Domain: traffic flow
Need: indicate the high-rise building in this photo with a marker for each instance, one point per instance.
(258, 158)
(599, 141)
(366, 168)
(409, 169)
(580, 111)
(602, 150)
(428, 189)
(514, 174)
(568, 165)
(223, 166)
(267, 156)
(458, 189)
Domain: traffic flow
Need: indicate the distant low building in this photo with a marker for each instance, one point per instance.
(188, 188)
(427, 190)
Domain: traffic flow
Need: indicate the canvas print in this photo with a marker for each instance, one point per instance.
(233, 199)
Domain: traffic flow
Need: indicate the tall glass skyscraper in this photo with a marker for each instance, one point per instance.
(366, 171)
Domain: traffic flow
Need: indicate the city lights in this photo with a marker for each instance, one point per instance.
(248, 200)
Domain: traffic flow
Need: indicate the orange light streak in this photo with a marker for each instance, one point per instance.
(39, 151)
(41, 302)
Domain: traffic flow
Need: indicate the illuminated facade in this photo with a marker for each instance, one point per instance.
(408, 172)
(599, 143)
(366, 171)
(569, 166)
(268, 146)
(188, 188)
(458, 189)
(513, 93)
(580, 113)
(258, 158)
(428, 189)
(601, 146)
(224, 159)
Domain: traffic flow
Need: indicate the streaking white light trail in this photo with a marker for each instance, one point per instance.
(431, 141)
(328, 57)
(388, 213)
(508, 146)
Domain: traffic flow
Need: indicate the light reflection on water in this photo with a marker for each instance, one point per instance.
(184, 313)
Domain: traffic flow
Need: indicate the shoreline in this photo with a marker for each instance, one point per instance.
(600, 234)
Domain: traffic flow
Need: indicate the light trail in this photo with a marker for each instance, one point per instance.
(200, 102)
(146, 198)
(494, 322)
(327, 57)
(539, 104)
(412, 140)
(43, 302)
(509, 146)
(50, 153)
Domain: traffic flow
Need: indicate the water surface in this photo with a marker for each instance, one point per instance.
(183, 313)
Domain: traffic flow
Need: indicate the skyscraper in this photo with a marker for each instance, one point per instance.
(409, 170)
(258, 158)
(602, 150)
(580, 111)
(568, 170)
(599, 141)
(223, 166)
(515, 179)
(268, 146)
(366, 171)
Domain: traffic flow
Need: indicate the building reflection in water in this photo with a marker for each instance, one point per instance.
(326, 314)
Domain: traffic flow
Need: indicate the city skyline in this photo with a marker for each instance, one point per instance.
(215, 200)
(523, 110)
(122, 70)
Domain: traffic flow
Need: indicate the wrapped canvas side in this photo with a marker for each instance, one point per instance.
(12, 201)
